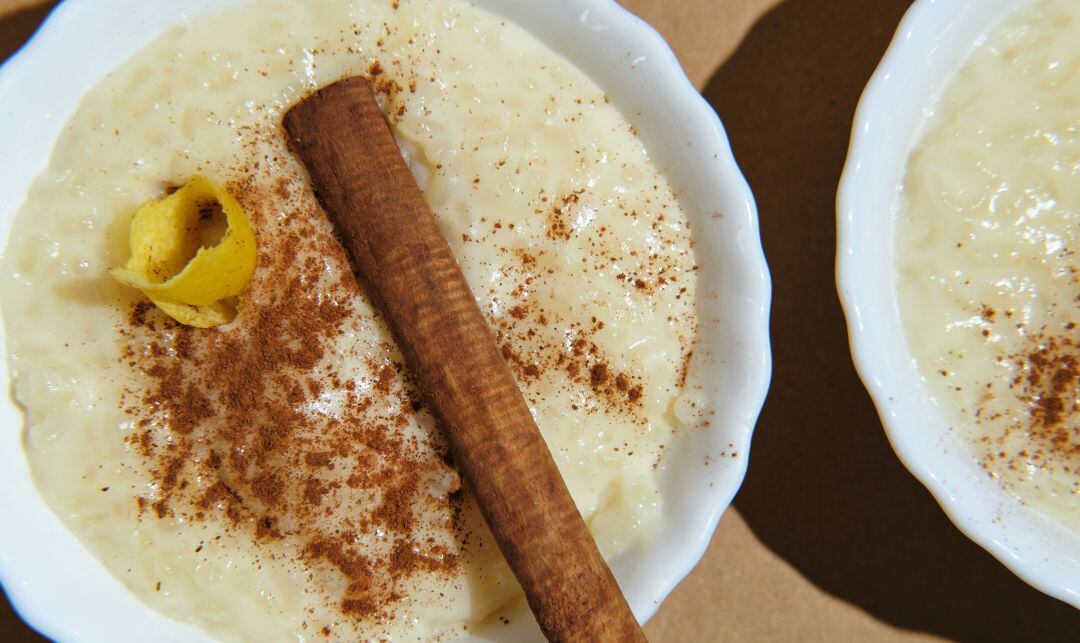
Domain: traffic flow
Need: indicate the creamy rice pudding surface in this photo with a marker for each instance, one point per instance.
(987, 238)
(278, 477)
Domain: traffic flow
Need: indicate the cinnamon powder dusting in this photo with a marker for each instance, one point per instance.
(1047, 387)
(1052, 375)
(1049, 384)
(258, 423)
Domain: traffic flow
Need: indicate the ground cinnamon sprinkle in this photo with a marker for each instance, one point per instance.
(1047, 386)
(232, 422)
(584, 363)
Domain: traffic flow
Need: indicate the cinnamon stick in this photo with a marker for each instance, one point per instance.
(407, 268)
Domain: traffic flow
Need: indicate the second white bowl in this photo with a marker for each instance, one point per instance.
(931, 45)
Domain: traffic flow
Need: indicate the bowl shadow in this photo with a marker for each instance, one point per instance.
(825, 490)
(17, 26)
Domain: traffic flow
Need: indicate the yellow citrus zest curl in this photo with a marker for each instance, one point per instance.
(172, 264)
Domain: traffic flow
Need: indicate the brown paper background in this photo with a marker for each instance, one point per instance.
(830, 539)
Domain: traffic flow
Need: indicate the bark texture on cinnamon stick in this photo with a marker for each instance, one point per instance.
(408, 269)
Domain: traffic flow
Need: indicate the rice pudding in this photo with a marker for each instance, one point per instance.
(277, 477)
(987, 235)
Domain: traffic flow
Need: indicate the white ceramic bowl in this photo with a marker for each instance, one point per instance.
(61, 590)
(932, 43)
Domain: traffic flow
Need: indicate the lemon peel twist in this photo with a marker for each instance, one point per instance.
(175, 269)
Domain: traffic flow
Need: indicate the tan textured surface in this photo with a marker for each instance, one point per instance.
(830, 539)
